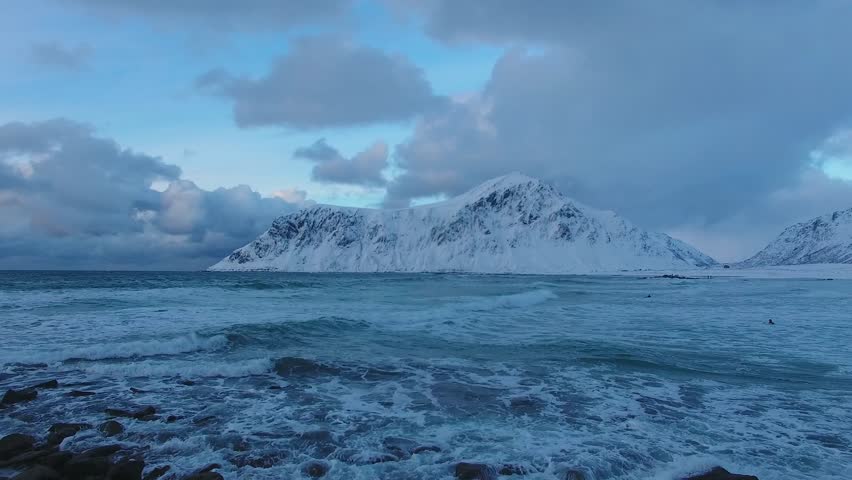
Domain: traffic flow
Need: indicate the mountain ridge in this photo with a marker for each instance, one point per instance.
(823, 239)
(509, 224)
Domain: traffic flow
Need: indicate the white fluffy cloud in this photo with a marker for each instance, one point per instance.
(70, 199)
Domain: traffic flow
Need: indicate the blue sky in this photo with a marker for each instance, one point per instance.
(717, 122)
(137, 87)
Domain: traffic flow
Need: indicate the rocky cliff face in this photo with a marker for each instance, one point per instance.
(825, 239)
(510, 224)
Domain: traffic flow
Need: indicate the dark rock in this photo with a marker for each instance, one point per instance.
(14, 444)
(259, 460)
(102, 451)
(38, 472)
(157, 473)
(205, 476)
(80, 393)
(315, 469)
(83, 466)
(475, 471)
(27, 458)
(319, 442)
(719, 473)
(60, 431)
(188, 383)
(204, 420)
(18, 396)
(572, 474)
(47, 384)
(172, 419)
(209, 468)
(146, 413)
(426, 448)
(111, 428)
(127, 470)
(295, 366)
(512, 469)
(55, 460)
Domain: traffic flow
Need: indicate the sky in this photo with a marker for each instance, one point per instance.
(157, 134)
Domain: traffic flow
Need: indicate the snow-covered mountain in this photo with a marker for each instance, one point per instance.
(825, 239)
(510, 224)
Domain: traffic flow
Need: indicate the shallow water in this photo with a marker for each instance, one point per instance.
(546, 373)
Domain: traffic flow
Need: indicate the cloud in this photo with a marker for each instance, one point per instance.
(70, 199)
(325, 82)
(58, 56)
(673, 113)
(225, 14)
(364, 169)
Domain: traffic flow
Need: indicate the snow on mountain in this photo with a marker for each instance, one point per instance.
(510, 224)
(825, 239)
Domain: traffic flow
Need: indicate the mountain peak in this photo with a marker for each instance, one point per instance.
(510, 224)
(823, 239)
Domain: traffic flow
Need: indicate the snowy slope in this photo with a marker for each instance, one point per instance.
(825, 239)
(510, 224)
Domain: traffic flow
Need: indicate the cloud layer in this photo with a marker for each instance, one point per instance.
(364, 169)
(71, 199)
(672, 113)
(225, 14)
(325, 82)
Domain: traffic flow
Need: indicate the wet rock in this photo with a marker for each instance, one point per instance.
(55, 460)
(295, 366)
(38, 472)
(102, 451)
(426, 449)
(475, 471)
(719, 473)
(206, 473)
(47, 384)
(111, 428)
(172, 418)
(318, 442)
(14, 444)
(157, 473)
(80, 393)
(81, 467)
(19, 396)
(127, 470)
(259, 459)
(145, 413)
(27, 458)
(204, 420)
(60, 431)
(513, 469)
(315, 469)
(205, 476)
(572, 474)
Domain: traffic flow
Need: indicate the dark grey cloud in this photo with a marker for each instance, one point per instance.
(225, 14)
(56, 55)
(673, 113)
(325, 82)
(71, 199)
(365, 168)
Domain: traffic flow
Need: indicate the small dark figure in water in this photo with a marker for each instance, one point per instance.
(771, 322)
(649, 296)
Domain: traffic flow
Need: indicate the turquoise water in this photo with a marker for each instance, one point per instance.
(546, 373)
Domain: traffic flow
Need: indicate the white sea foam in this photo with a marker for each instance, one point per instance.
(180, 368)
(140, 348)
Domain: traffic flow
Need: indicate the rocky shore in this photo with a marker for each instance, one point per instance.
(46, 456)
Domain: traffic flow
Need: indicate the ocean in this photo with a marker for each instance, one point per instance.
(403, 376)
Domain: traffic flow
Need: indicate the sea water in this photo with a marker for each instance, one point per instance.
(617, 377)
